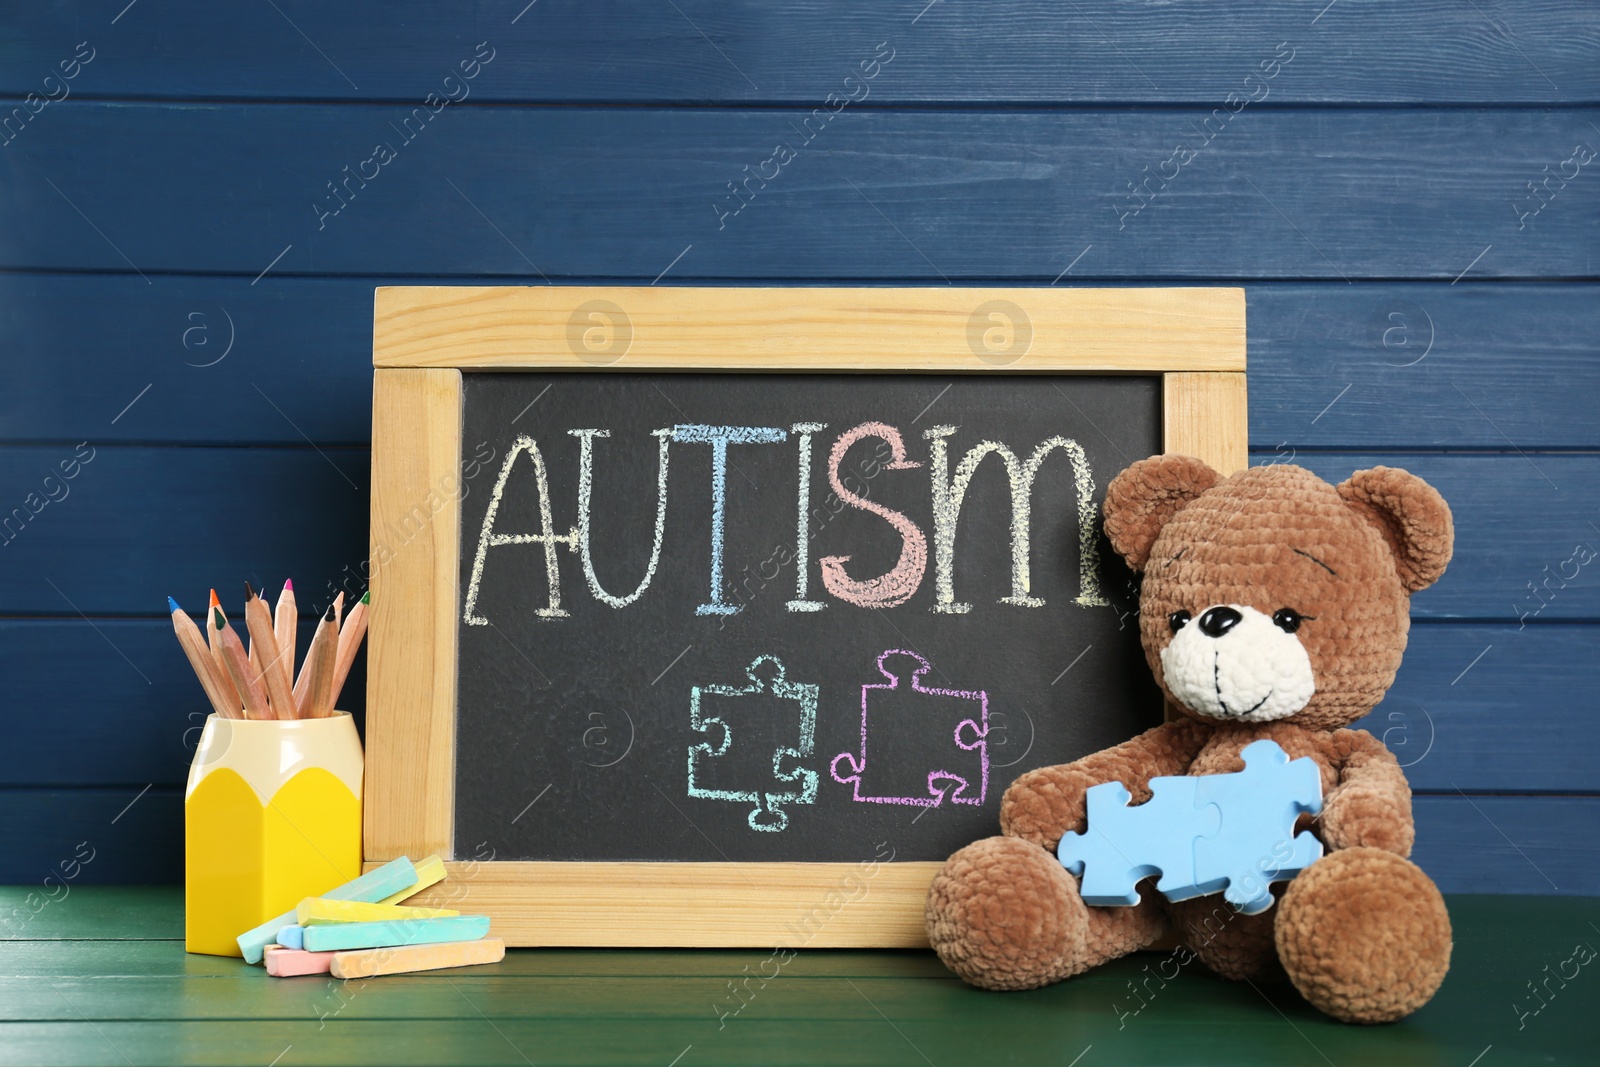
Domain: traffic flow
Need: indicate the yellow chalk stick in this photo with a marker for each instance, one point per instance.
(320, 911)
(430, 872)
(367, 962)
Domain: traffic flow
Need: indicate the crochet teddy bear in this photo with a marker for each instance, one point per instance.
(1273, 605)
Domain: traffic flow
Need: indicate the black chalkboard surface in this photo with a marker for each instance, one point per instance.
(742, 691)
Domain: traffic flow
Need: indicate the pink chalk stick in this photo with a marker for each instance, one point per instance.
(287, 962)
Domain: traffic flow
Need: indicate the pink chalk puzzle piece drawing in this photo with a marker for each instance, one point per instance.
(960, 773)
(1229, 833)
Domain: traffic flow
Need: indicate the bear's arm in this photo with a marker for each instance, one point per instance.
(1371, 805)
(1045, 803)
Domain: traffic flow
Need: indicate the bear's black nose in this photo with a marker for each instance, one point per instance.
(1218, 621)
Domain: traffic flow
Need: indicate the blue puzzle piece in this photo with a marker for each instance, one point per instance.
(1256, 844)
(1203, 834)
(1124, 844)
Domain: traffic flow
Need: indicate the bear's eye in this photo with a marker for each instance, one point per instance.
(1288, 620)
(1178, 620)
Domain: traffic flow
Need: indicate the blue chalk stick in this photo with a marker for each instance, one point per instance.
(369, 889)
(292, 936)
(391, 933)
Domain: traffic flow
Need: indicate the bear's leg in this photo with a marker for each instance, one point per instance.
(1364, 935)
(1005, 914)
(1232, 945)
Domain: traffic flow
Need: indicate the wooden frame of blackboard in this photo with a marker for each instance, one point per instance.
(425, 336)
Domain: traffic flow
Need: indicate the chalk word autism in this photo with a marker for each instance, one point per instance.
(920, 550)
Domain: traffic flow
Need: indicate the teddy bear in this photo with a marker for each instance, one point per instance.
(1273, 605)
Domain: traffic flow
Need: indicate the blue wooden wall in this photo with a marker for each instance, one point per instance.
(1407, 192)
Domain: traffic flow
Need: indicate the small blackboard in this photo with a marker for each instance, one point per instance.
(634, 684)
(718, 616)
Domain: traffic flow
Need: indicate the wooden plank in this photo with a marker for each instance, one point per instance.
(79, 910)
(814, 329)
(1481, 733)
(1501, 844)
(929, 197)
(1424, 365)
(694, 905)
(799, 50)
(310, 339)
(1519, 522)
(137, 524)
(1454, 723)
(408, 805)
(243, 995)
(1205, 417)
(132, 835)
(279, 362)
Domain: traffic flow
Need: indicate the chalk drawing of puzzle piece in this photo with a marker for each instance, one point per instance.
(790, 781)
(1256, 844)
(1123, 845)
(926, 744)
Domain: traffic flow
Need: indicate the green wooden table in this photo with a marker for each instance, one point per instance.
(100, 977)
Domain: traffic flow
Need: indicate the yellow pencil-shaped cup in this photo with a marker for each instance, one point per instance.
(272, 815)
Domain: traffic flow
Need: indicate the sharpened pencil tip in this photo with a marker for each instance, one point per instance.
(328, 615)
(217, 618)
(288, 586)
(172, 605)
(214, 600)
(249, 592)
(366, 598)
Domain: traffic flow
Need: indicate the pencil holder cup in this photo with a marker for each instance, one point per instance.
(272, 814)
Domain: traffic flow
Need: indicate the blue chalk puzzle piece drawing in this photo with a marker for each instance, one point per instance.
(768, 815)
(1232, 833)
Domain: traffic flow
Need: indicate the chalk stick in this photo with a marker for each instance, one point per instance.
(375, 961)
(340, 937)
(429, 872)
(372, 886)
(292, 936)
(287, 962)
(318, 911)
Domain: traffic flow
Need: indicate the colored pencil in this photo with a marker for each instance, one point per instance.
(194, 647)
(303, 680)
(313, 689)
(255, 653)
(285, 623)
(259, 622)
(321, 693)
(350, 635)
(237, 663)
(217, 657)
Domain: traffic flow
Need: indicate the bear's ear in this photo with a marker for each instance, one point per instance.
(1412, 517)
(1143, 499)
